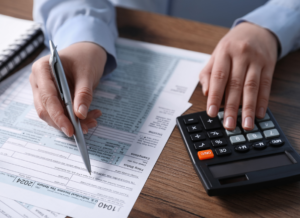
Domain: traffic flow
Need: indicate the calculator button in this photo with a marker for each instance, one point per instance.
(221, 115)
(259, 145)
(266, 125)
(197, 137)
(271, 133)
(206, 154)
(201, 145)
(214, 134)
(253, 130)
(276, 142)
(210, 123)
(236, 131)
(194, 128)
(223, 151)
(267, 117)
(254, 136)
(191, 121)
(237, 139)
(219, 142)
(242, 148)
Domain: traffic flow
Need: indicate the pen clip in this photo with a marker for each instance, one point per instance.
(53, 61)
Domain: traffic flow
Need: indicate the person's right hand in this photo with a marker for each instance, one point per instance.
(83, 64)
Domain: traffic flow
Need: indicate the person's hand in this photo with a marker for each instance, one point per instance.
(241, 66)
(83, 64)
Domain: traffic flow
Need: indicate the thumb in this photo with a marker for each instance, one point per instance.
(83, 96)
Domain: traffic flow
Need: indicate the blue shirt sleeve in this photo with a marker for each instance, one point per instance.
(281, 17)
(70, 21)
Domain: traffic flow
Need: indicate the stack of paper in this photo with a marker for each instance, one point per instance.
(140, 101)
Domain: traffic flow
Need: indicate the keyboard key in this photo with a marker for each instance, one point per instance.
(259, 145)
(254, 136)
(253, 130)
(192, 120)
(271, 133)
(266, 125)
(276, 142)
(223, 151)
(219, 142)
(210, 123)
(206, 154)
(221, 115)
(214, 134)
(236, 131)
(202, 145)
(267, 117)
(237, 139)
(194, 128)
(242, 148)
(197, 137)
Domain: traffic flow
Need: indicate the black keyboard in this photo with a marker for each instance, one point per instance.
(234, 161)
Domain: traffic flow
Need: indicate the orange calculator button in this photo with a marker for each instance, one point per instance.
(206, 154)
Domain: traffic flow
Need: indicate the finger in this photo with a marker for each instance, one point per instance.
(234, 92)
(94, 114)
(204, 76)
(83, 96)
(218, 80)
(41, 111)
(251, 88)
(264, 91)
(49, 97)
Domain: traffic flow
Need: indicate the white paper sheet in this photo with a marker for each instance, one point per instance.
(140, 101)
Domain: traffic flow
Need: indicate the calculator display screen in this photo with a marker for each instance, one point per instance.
(249, 165)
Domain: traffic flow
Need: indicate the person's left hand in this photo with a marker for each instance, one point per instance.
(242, 66)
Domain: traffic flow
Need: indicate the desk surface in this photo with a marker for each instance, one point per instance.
(173, 188)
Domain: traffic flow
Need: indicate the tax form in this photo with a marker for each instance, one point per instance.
(139, 101)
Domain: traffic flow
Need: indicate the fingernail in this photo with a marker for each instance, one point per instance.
(212, 111)
(248, 122)
(83, 110)
(229, 123)
(65, 131)
(261, 112)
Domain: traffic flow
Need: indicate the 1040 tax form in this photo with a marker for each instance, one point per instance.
(139, 101)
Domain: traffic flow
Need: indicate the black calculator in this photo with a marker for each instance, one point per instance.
(230, 162)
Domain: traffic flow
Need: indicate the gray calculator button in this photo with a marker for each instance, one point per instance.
(236, 131)
(253, 130)
(254, 136)
(266, 125)
(267, 117)
(271, 133)
(221, 115)
(237, 139)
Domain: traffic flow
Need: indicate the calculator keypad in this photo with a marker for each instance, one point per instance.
(236, 131)
(197, 137)
(272, 133)
(194, 128)
(255, 136)
(237, 139)
(219, 142)
(212, 134)
(210, 123)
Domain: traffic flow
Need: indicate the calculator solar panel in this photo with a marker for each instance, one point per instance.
(229, 162)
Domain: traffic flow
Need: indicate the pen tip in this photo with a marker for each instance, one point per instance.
(90, 173)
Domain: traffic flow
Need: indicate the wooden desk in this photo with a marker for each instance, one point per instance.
(173, 188)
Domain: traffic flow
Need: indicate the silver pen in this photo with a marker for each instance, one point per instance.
(62, 86)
